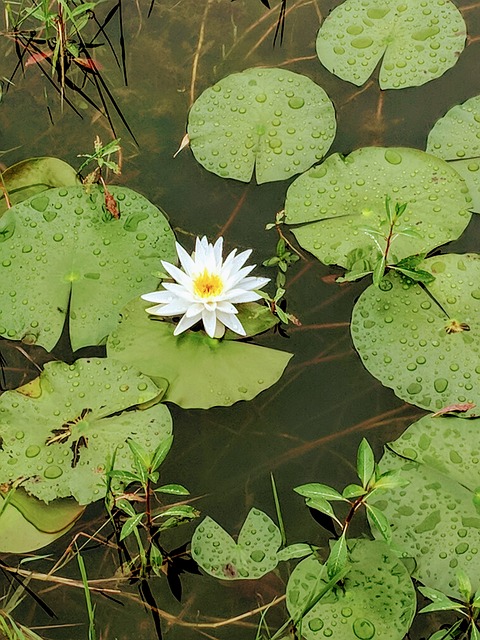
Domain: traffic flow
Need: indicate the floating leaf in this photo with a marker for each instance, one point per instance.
(273, 120)
(202, 372)
(337, 200)
(376, 598)
(61, 245)
(27, 523)
(26, 178)
(456, 138)
(253, 555)
(423, 341)
(418, 41)
(64, 437)
(436, 518)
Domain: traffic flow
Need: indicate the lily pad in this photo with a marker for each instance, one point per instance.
(336, 201)
(436, 517)
(202, 372)
(375, 600)
(62, 432)
(27, 523)
(273, 120)
(28, 177)
(418, 40)
(456, 138)
(62, 246)
(423, 341)
(252, 556)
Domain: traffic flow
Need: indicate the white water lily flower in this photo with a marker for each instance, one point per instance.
(207, 289)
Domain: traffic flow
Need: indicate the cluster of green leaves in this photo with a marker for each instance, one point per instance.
(384, 238)
(320, 496)
(139, 491)
(468, 626)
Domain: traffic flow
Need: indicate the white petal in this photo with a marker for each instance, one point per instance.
(209, 321)
(158, 296)
(185, 323)
(239, 295)
(174, 308)
(178, 291)
(185, 260)
(217, 250)
(194, 309)
(230, 266)
(226, 307)
(253, 283)
(219, 330)
(237, 276)
(232, 322)
(177, 274)
(156, 310)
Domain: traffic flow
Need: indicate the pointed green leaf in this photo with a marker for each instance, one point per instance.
(130, 524)
(173, 489)
(377, 519)
(353, 491)
(317, 490)
(294, 551)
(338, 558)
(365, 462)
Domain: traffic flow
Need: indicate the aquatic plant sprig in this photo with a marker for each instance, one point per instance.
(384, 239)
(206, 289)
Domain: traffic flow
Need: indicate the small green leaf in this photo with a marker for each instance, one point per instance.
(464, 584)
(161, 452)
(180, 511)
(126, 507)
(140, 456)
(390, 480)
(317, 490)
(294, 551)
(338, 558)
(410, 233)
(379, 271)
(377, 519)
(156, 560)
(320, 504)
(365, 462)
(127, 477)
(417, 276)
(130, 524)
(474, 632)
(173, 489)
(353, 491)
(440, 602)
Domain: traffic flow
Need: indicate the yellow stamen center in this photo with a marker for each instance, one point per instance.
(207, 285)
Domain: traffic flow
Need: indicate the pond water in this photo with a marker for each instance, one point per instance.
(305, 428)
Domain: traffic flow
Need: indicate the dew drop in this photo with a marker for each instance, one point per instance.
(363, 629)
(52, 472)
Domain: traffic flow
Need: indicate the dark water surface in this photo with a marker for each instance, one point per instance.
(308, 426)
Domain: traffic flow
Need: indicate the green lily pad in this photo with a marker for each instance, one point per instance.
(436, 518)
(376, 599)
(418, 40)
(202, 372)
(60, 245)
(27, 523)
(456, 138)
(273, 120)
(423, 341)
(28, 177)
(336, 201)
(63, 431)
(252, 556)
